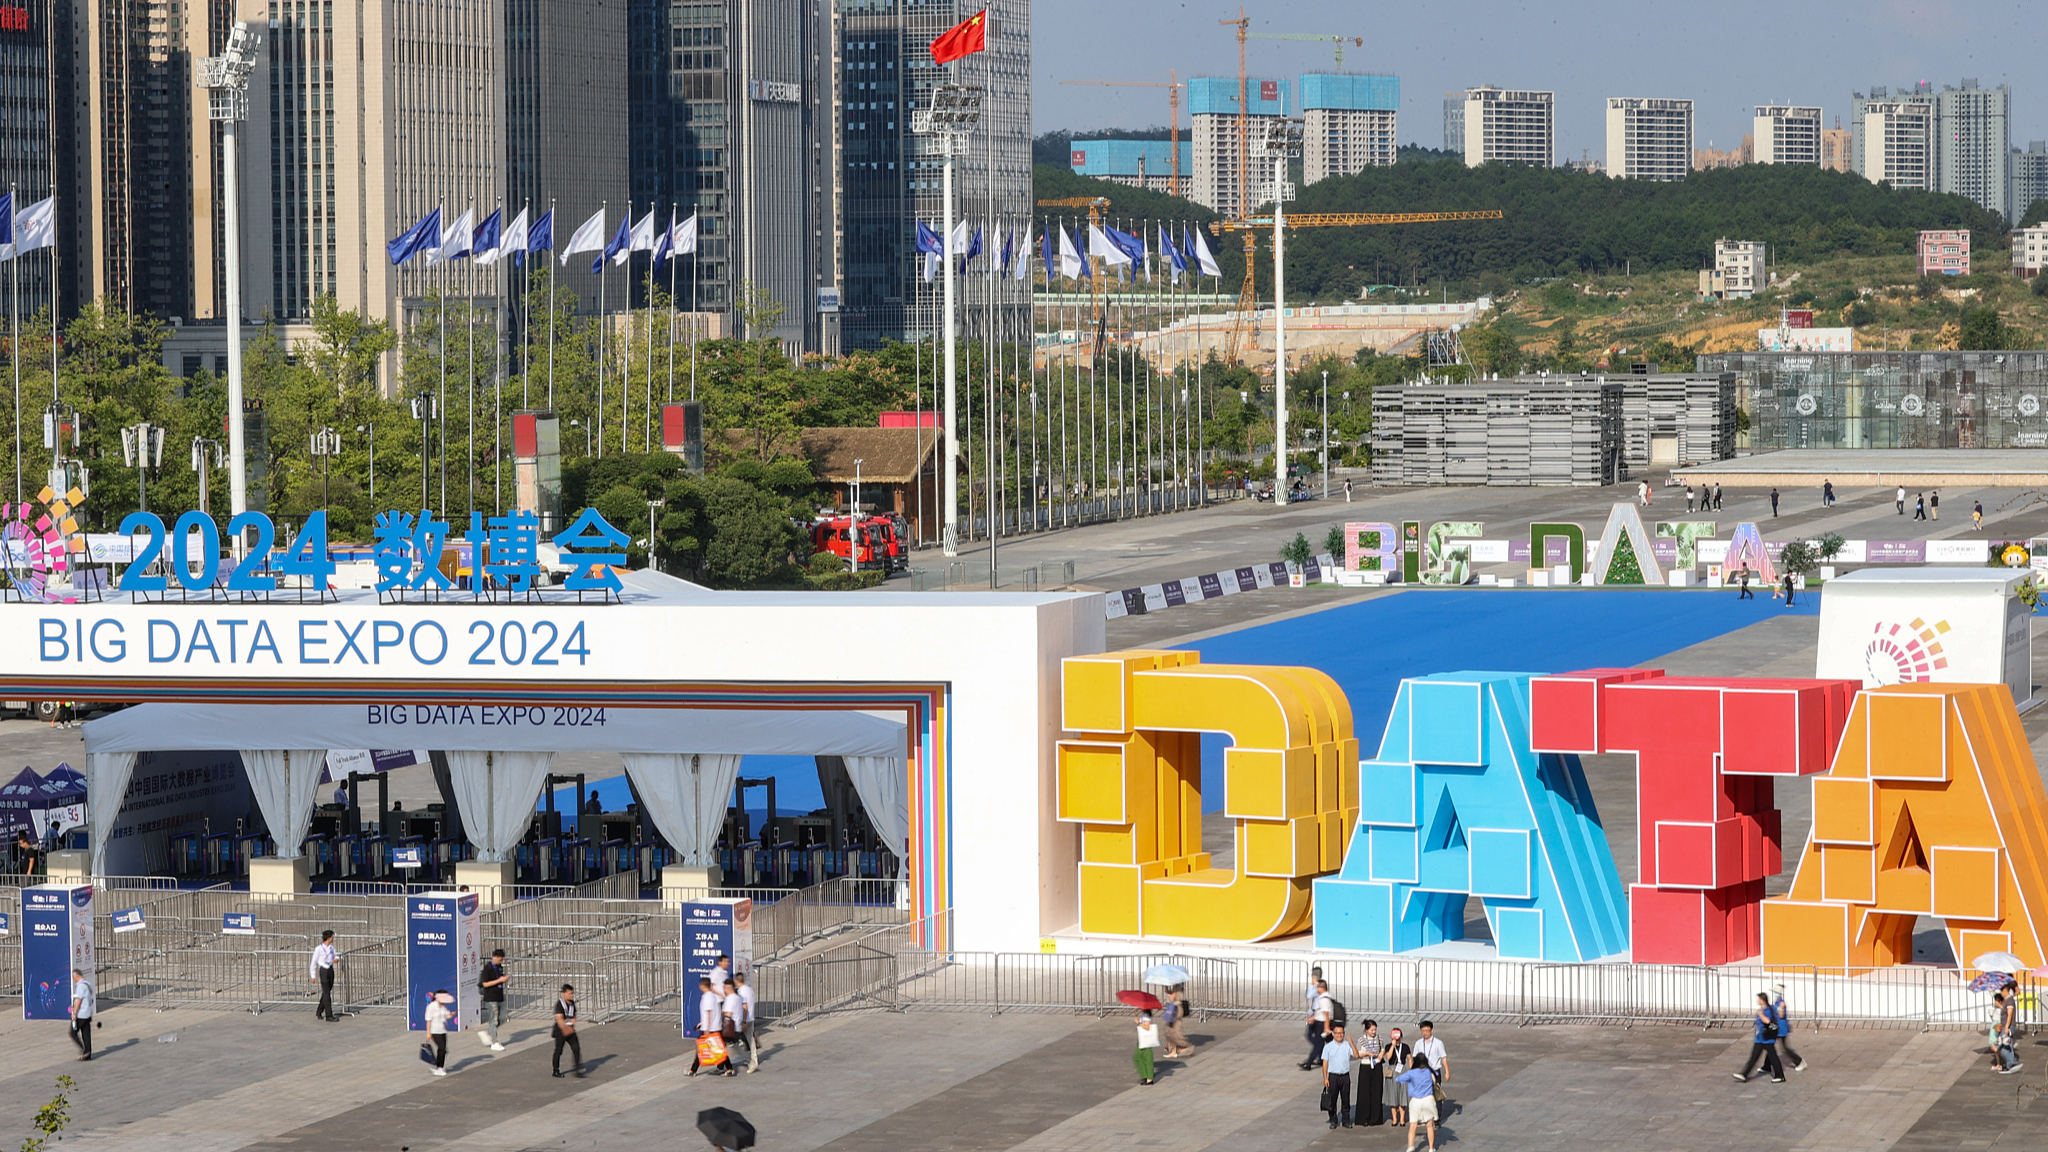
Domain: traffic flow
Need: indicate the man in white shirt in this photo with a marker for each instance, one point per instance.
(1428, 1045)
(1315, 1026)
(81, 1013)
(710, 1021)
(747, 1022)
(320, 970)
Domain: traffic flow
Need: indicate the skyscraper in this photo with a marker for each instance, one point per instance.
(1649, 139)
(1347, 123)
(134, 103)
(1973, 135)
(565, 131)
(35, 145)
(1892, 140)
(1505, 126)
(1454, 122)
(2029, 177)
(1787, 134)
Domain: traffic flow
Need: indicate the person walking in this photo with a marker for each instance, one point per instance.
(1337, 1061)
(1688, 497)
(1396, 1058)
(438, 1015)
(1977, 514)
(1371, 1108)
(1763, 1043)
(710, 1022)
(1787, 583)
(1347, 491)
(1717, 497)
(1742, 589)
(320, 970)
(1774, 501)
(491, 984)
(1785, 1029)
(1148, 1042)
(1934, 504)
(25, 853)
(747, 1024)
(1920, 507)
(2002, 1033)
(1315, 1029)
(564, 1033)
(732, 1011)
(1171, 1014)
(1420, 1084)
(1827, 493)
(1428, 1044)
(1319, 1020)
(1901, 499)
(82, 1005)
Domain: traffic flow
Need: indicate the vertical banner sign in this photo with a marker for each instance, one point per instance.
(442, 935)
(712, 928)
(56, 937)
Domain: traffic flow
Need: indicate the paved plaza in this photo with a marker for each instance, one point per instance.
(870, 1081)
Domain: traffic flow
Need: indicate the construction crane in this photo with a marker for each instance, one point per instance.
(1247, 301)
(1358, 41)
(1173, 91)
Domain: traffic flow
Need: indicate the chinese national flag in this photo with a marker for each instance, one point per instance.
(963, 39)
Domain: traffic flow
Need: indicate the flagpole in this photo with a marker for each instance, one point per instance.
(626, 369)
(648, 439)
(526, 300)
(693, 309)
(552, 265)
(441, 401)
(14, 343)
(673, 257)
(469, 385)
(502, 332)
(603, 313)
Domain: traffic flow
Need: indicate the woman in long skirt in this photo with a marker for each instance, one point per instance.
(1372, 1081)
(1148, 1041)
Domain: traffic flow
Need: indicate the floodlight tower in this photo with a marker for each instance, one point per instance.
(226, 80)
(1281, 142)
(955, 110)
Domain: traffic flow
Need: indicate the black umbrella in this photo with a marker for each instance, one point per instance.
(725, 1128)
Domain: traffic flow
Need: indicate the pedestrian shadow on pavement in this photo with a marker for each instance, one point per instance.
(101, 1053)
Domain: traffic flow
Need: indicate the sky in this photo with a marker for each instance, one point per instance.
(1728, 56)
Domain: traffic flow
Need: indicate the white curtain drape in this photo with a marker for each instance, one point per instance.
(686, 795)
(106, 782)
(286, 782)
(496, 793)
(885, 793)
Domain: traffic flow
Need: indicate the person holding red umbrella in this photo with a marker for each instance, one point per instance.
(1148, 1032)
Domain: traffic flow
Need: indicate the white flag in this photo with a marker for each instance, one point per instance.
(1023, 269)
(956, 244)
(1203, 257)
(641, 239)
(34, 227)
(685, 241)
(1100, 245)
(1070, 260)
(589, 237)
(511, 242)
(455, 239)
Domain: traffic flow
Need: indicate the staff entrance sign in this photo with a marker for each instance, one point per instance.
(441, 954)
(713, 928)
(56, 937)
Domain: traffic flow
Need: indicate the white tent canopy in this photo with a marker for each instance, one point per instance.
(682, 760)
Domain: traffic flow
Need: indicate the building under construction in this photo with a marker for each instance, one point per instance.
(1549, 431)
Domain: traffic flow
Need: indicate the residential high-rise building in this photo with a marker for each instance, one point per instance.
(2029, 251)
(1454, 122)
(1347, 123)
(1835, 144)
(134, 101)
(1144, 164)
(1649, 139)
(565, 148)
(1973, 135)
(1787, 134)
(2029, 175)
(890, 178)
(1892, 140)
(1504, 126)
(1213, 104)
(1712, 157)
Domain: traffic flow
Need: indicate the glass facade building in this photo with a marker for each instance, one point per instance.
(1889, 399)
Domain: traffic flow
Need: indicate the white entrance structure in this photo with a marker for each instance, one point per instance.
(973, 680)
(1942, 625)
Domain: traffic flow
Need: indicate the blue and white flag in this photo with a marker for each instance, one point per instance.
(483, 245)
(542, 238)
(972, 248)
(424, 234)
(1128, 248)
(512, 243)
(1173, 257)
(664, 244)
(455, 239)
(34, 227)
(7, 219)
(930, 246)
(640, 239)
(1204, 258)
(1021, 270)
(686, 237)
(1045, 254)
(1073, 262)
(1009, 246)
(620, 242)
(588, 237)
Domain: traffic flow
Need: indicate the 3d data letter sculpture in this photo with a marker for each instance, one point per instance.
(1131, 776)
(1456, 804)
(1934, 808)
(1707, 824)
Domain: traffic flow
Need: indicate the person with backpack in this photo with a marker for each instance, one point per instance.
(1315, 1029)
(1171, 1014)
(1395, 1059)
(1763, 1043)
(1324, 1013)
(2002, 1033)
(1785, 1028)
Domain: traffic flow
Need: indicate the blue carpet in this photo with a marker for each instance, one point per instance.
(1369, 648)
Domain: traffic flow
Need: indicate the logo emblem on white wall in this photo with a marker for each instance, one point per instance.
(2030, 405)
(1904, 653)
(1912, 405)
(1807, 405)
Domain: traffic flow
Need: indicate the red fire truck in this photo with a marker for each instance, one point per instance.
(881, 545)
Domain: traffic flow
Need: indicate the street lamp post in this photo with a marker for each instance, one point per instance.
(425, 407)
(226, 79)
(653, 506)
(1326, 434)
(955, 110)
(586, 434)
(142, 448)
(326, 444)
(1281, 142)
(206, 456)
(369, 431)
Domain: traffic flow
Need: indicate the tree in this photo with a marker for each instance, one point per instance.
(1983, 330)
(1298, 551)
(1493, 351)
